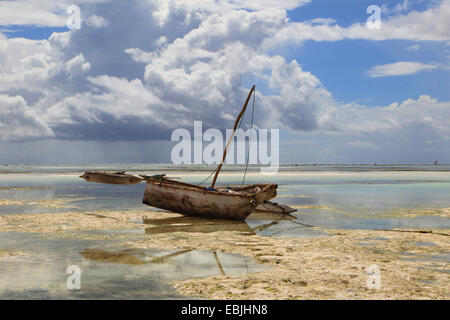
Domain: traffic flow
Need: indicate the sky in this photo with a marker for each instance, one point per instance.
(115, 89)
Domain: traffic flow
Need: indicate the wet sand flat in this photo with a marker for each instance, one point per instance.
(60, 223)
(333, 266)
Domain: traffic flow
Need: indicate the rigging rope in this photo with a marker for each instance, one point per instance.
(250, 140)
(238, 127)
(207, 177)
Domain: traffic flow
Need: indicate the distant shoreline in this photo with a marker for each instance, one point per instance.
(284, 168)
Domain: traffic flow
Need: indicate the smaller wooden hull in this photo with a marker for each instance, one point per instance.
(197, 201)
(111, 178)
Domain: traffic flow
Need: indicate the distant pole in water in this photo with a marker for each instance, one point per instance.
(232, 136)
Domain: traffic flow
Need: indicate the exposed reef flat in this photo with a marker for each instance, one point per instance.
(330, 267)
(60, 223)
(413, 263)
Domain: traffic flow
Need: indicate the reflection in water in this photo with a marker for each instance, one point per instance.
(105, 256)
(272, 216)
(114, 274)
(265, 226)
(194, 224)
(129, 257)
(218, 263)
(208, 225)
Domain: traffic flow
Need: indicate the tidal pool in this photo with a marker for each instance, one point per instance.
(108, 270)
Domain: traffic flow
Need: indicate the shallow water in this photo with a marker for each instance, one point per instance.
(107, 270)
(344, 199)
(351, 198)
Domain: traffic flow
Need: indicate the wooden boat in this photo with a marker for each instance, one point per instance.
(111, 178)
(196, 200)
(225, 203)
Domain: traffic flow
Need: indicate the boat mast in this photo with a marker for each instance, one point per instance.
(232, 136)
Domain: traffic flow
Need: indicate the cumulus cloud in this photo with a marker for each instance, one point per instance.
(25, 63)
(432, 24)
(53, 13)
(398, 8)
(38, 12)
(77, 65)
(18, 121)
(425, 114)
(321, 21)
(96, 21)
(401, 68)
(29, 13)
(174, 62)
